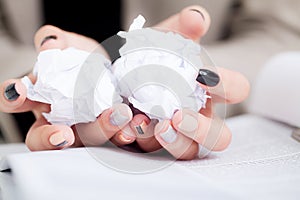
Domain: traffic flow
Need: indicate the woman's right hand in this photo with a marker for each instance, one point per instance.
(45, 136)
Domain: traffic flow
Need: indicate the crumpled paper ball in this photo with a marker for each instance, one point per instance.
(76, 84)
(157, 71)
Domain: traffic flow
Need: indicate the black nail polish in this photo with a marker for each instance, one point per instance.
(198, 11)
(62, 144)
(112, 46)
(11, 93)
(296, 135)
(207, 77)
(6, 171)
(53, 37)
(139, 130)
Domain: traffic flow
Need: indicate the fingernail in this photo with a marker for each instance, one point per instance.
(58, 140)
(124, 138)
(118, 119)
(198, 11)
(203, 152)
(207, 77)
(296, 135)
(140, 128)
(188, 124)
(128, 133)
(169, 136)
(53, 37)
(11, 93)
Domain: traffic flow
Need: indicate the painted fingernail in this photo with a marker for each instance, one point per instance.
(140, 128)
(58, 140)
(169, 136)
(50, 37)
(118, 119)
(207, 77)
(203, 152)
(198, 11)
(11, 93)
(188, 124)
(296, 135)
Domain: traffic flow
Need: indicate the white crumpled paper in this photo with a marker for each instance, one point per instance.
(76, 94)
(157, 71)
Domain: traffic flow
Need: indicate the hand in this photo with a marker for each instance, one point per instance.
(192, 128)
(44, 136)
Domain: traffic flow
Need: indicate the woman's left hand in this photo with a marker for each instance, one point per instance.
(193, 129)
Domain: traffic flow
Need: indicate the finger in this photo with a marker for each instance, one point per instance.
(51, 37)
(128, 134)
(13, 97)
(192, 22)
(233, 87)
(124, 136)
(212, 133)
(110, 122)
(178, 145)
(143, 127)
(208, 110)
(43, 136)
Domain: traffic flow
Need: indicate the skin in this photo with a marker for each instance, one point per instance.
(234, 88)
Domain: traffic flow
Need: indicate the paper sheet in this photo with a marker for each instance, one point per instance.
(75, 174)
(76, 84)
(263, 162)
(157, 71)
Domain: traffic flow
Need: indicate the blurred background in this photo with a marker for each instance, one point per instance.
(243, 36)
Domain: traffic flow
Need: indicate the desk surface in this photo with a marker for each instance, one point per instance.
(6, 149)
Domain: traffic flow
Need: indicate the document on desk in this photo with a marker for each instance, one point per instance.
(263, 162)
